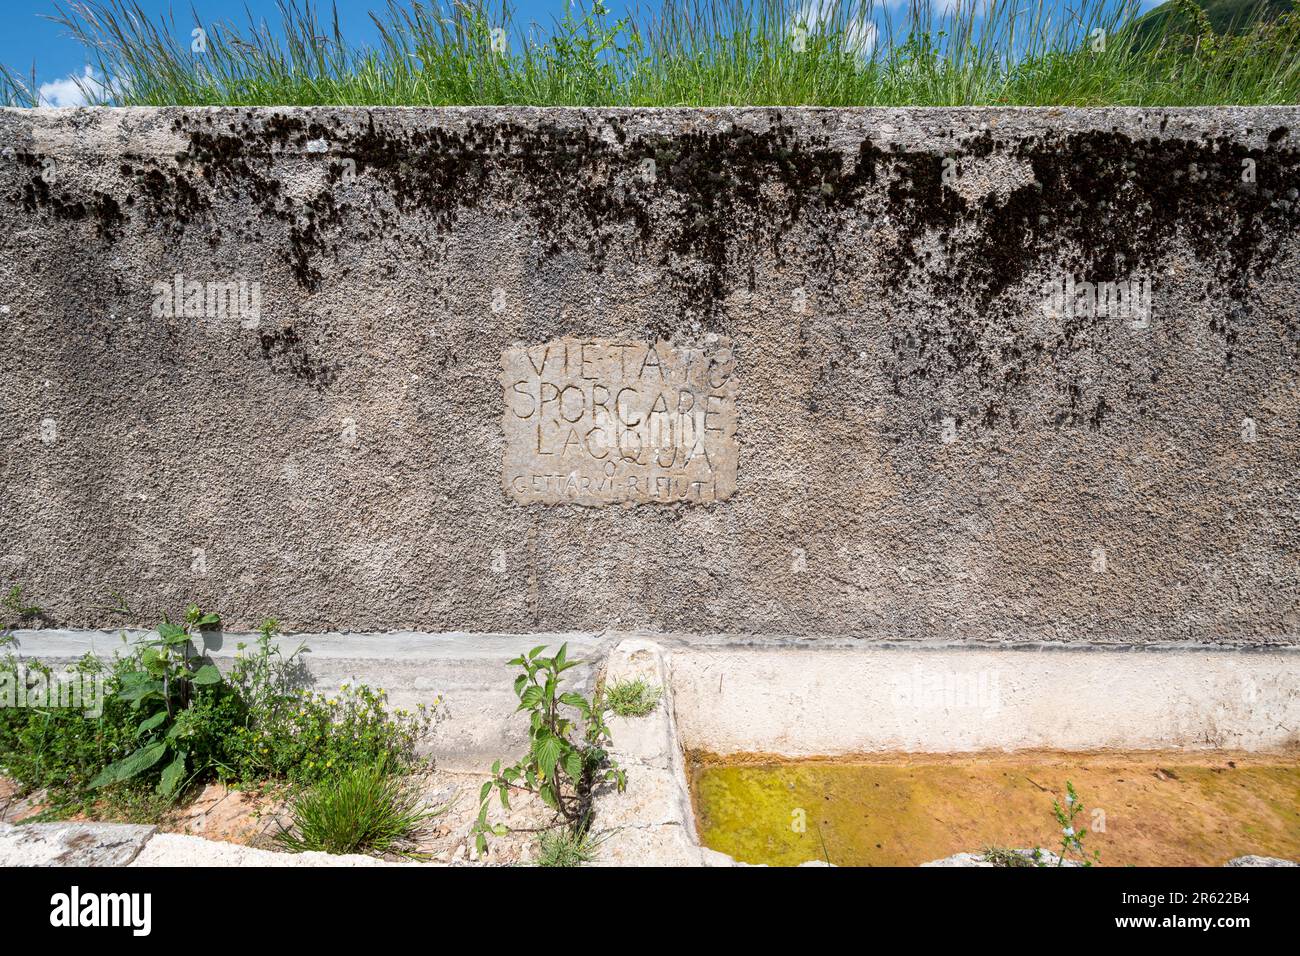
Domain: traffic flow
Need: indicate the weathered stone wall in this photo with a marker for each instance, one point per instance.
(329, 365)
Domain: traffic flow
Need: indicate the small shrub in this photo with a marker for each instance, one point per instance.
(566, 757)
(60, 749)
(563, 847)
(361, 810)
(287, 733)
(308, 738)
(1072, 834)
(1072, 837)
(161, 682)
(170, 719)
(633, 698)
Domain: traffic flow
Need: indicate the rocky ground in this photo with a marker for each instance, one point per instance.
(252, 819)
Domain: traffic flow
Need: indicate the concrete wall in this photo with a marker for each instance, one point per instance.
(926, 441)
(868, 699)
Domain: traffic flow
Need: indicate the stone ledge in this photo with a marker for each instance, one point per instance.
(72, 844)
(652, 823)
(174, 849)
(1260, 861)
(123, 844)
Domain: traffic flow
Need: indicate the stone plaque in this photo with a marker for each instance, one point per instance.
(602, 422)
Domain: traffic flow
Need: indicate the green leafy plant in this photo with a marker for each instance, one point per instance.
(1066, 814)
(307, 737)
(1072, 834)
(267, 727)
(256, 725)
(567, 747)
(633, 698)
(162, 690)
(364, 809)
(265, 677)
(61, 749)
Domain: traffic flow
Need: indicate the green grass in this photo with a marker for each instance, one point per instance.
(633, 698)
(363, 810)
(697, 53)
(563, 847)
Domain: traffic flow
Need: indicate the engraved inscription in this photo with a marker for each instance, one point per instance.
(601, 422)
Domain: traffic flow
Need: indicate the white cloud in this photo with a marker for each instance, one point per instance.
(74, 90)
(859, 33)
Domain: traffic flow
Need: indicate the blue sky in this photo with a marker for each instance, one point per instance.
(29, 37)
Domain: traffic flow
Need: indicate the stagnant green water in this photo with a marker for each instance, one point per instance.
(1142, 809)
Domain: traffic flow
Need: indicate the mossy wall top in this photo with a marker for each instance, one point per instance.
(996, 374)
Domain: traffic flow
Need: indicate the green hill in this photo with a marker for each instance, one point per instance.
(1228, 17)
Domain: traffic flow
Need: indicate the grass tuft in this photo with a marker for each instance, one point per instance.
(694, 53)
(364, 810)
(563, 847)
(633, 698)
(1001, 856)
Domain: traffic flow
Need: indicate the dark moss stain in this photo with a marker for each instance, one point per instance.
(1101, 204)
(170, 198)
(285, 348)
(41, 195)
(721, 204)
(1119, 201)
(730, 193)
